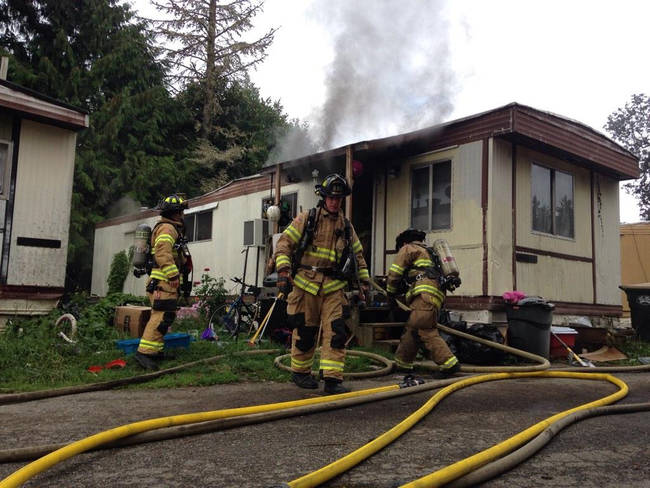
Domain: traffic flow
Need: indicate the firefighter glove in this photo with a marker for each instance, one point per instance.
(174, 282)
(284, 282)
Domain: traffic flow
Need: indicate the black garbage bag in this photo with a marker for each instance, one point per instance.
(472, 352)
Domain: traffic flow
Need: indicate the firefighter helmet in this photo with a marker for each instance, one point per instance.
(333, 185)
(172, 204)
(409, 235)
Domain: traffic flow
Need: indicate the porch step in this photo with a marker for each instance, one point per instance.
(382, 324)
(387, 344)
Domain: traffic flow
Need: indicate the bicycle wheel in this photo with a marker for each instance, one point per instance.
(225, 321)
(246, 319)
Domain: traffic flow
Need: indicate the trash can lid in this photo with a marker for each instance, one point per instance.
(534, 301)
(635, 286)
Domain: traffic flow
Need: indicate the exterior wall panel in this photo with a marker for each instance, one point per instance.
(607, 243)
(555, 278)
(42, 204)
(581, 244)
(499, 230)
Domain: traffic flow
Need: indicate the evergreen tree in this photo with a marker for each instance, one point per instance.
(211, 49)
(93, 54)
(630, 126)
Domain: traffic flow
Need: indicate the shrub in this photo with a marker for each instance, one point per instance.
(211, 294)
(118, 273)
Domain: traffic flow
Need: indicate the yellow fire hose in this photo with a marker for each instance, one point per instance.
(437, 478)
(458, 469)
(41, 464)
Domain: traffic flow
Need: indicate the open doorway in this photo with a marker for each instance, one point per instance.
(362, 211)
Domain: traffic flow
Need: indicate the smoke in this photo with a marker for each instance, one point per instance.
(391, 70)
(124, 206)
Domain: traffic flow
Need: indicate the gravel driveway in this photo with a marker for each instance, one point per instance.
(598, 452)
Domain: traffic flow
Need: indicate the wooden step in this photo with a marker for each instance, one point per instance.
(382, 324)
(388, 345)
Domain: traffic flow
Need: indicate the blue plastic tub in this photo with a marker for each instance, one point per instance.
(177, 339)
(172, 340)
(128, 346)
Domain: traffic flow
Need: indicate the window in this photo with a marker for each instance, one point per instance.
(198, 226)
(431, 196)
(288, 208)
(5, 168)
(552, 201)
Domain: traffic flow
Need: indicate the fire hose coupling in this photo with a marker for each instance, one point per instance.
(410, 380)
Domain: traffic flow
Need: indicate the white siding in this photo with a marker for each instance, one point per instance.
(465, 235)
(499, 224)
(607, 241)
(222, 254)
(42, 204)
(555, 278)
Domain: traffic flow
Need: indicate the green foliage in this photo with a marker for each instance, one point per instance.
(33, 356)
(118, 272)
(142, 142)
(211, 294)
(630, 126)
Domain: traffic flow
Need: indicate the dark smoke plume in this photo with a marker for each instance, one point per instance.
(391, 71)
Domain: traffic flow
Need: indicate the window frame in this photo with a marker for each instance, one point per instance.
(5, 173)
(553, 196)
(430, 164)
(195, 219)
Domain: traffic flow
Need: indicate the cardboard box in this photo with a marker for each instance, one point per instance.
(132, 319)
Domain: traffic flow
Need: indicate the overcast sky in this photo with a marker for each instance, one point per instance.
(361, 69)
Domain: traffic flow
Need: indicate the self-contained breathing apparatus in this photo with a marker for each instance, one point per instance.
(444, 270)
(144, 261)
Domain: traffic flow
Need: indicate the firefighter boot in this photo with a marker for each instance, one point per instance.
(304, 380)
(145, 361)
(446, 373)
(334, 387)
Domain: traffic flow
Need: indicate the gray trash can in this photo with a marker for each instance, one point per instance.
(529, 325)
(638, 296)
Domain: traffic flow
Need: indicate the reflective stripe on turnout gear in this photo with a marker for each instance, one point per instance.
(437, 297)
(292, 233)
(328, 365)
(153, 346)
(325, 249)
(449, 363)
(296, 364)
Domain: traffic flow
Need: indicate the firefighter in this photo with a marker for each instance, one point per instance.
(317, 255)
(164, 281)
(414, 267)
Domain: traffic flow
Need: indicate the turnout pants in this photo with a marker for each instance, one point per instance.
(420, 331)
(163, 312)
(306, 312)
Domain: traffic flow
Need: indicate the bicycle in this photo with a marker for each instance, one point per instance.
(239, 315)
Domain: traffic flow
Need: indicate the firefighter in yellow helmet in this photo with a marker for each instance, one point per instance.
(163, 286)
(320, 254)
(414, 267)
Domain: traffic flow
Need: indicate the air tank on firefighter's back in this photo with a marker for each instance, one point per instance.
(141, 245)
(447, 260)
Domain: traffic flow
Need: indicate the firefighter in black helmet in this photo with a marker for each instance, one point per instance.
(414, 267)
(312, 253)
(165, 280)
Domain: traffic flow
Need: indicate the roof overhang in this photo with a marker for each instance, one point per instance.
(517, 123)
(40, 107)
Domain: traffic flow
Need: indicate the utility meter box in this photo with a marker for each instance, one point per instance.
(255, 232)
